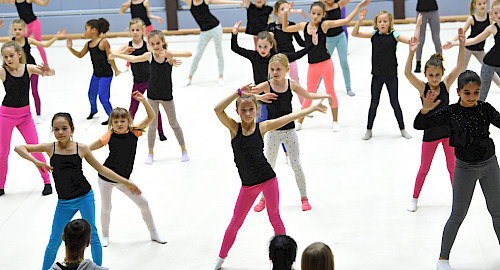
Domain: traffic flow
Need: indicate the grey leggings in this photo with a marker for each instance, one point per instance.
(464, 181)
(431, 17)
(172, 120)
(205, 37)
(479, 56)
(487, 72)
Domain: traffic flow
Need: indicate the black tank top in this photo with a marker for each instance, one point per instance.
(139, 11)
(281, 106)
(27, 51)
(384, 61)
(17, 89)
(122, 148)
(203, 17)
(68, 175)
(25, 12)
(492, 58)
(160, 80)
(257, 18)
(284, 40)
(140, 70)
(319, 52)
(252, 165)
(102, 68)
(477, 29)
(438, 132)
(334, 14)
(426, 5)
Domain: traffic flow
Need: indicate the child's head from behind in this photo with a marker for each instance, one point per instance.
(76, 236)
(96, 27)
(480, 5)
(12, 54)
(282, 252)
(383, 22)
(246, 108)
(156, 40)
(469, 85)
(136, 28)
(278, 66)
(317, 11)
(434, 69)
(18, 28)
(317, 256)
(265, 43)
(62, 126)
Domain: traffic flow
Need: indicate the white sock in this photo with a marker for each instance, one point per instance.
(443, 265)
(185, 156)
(336, 126)
(413, 205)
(105, 241)
(368, 135)
(188, 82)
(405, 134)
(298, 126)
(149, 160)
(218, 264)
(156, 237)
(221, 82)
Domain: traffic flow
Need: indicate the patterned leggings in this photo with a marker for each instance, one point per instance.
(169, 108)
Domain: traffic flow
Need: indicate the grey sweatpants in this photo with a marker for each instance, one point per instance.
(464, 181)
(172, 120)
(479, 56)
(205, 37)
(431, 17)
(487, 72)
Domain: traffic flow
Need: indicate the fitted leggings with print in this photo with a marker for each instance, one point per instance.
(244, 203)
(65, 211)
(205, 37)
(340, 42)
(428, 150)
(21, 119)
(431, 17)
(35, 28)
(134, 104)
(487, 73)
(100, 86)
(479, 56)
(169, 108)
(314, 72)
(464, 182)
(106, 189)
(391, 82)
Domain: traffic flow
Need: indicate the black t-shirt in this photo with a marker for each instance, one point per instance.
(284, 40)
(257, 18)
(140, 70)
(160, 80)
(318, 53)
(492, 58)
(17, 89)
(437, 133)
(203, 17)
(281, 106)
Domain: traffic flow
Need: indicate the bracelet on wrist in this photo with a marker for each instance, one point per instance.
(239, 92)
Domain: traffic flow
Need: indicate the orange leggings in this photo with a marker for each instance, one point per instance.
(322, 69)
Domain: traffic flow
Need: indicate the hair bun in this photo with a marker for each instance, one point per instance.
(437, 56)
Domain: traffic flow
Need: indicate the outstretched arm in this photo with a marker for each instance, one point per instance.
(228, 2)
(80, 54)
(448, 81)
(42, 3)
(416, 82)
(25, 150)
(131, 58)
(355, 32)
(234, 43)
(149, 110)
(491, 29)
(336, 23)
(43, 70)
(291, 28)
(279, 122)
(60, 34)
(295, 86)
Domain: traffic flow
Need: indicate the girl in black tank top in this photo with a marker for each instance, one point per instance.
(436, 85)
(255, 172)
(140, 9)
(74, 192)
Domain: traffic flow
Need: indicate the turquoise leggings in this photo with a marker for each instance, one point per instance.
(340, 42)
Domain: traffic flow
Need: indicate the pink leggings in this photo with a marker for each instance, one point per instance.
(428, 150)
(20, 118)
(245, 200)
(35, 28)
(322, 69)
(34, 92)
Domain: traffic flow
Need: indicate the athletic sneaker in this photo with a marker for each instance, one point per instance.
(260, 206)
(305, 205)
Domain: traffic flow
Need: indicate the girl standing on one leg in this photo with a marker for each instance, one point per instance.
(122, 139)
(15, 110)
(430, 14)
(384, 65)
(320, 63)
(140, 71)
(210, 29)
(255, 172)
(434, 71)
(257, 17)
(160, 86)
(73, 190)
(99, 48)
(468, 120)
(282, 105)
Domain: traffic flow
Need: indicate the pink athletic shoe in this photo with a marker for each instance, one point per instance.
(260, 206)
(305, 205)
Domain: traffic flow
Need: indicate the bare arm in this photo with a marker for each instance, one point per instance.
(41, 70)
(291, 28)
(491, 29)
(25, 150)
(416, 82)
(151, 16)
(355, 32)
(42, 3)
(80, 54)
(273, 124)
(221, 114)
(448, 81)
(60, 34)
(131, 58)
(468, 23)
(124, 7)
(247, 3)
(96, 145)
(226, 2)
(343, 3)
(149, 110)
(107, 48)
(295, 86)
(336, 23)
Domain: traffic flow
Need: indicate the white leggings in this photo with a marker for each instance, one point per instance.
(288, 137)
(479, 56)
(106, 190)
(205, 37)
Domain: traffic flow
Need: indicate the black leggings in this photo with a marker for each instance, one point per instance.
(391, 82)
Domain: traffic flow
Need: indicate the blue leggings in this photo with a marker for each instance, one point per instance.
(100, 86)
(65, 211)
(340, 42)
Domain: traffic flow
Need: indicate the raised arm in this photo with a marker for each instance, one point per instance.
(131, 58)
(221, 114)
(247, 3)
(279, 122)
(80, 54)
(149, 110)
(42, 3)
(468, 23)
(25, 150)
(416, 34)
(355, 32)
(291, 28)
(60, 34)
(416, 82)
(234, 43)
(448, 81)
(336, 23)
(124, 7)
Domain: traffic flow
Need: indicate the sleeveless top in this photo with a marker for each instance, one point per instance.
(252, 165)
(17, 89)
(257, 18)
(284, 40)
(122, 148)
(102, 68)
(318, 53)
(492, 58)
(27, 51)
(281, 106)
(68, 175)
(139, 11)
(334, 14)
(438, 132)
(160, 80)
(140, 70)
(25, 11)
(384, 61)
(477, 29)
(426, 5)
(203, 17)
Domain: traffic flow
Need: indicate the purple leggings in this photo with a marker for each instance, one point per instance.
(244, 203)
(134, 104)
(34, 92)
(35, 28)
(20, 118)
(428, 150)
